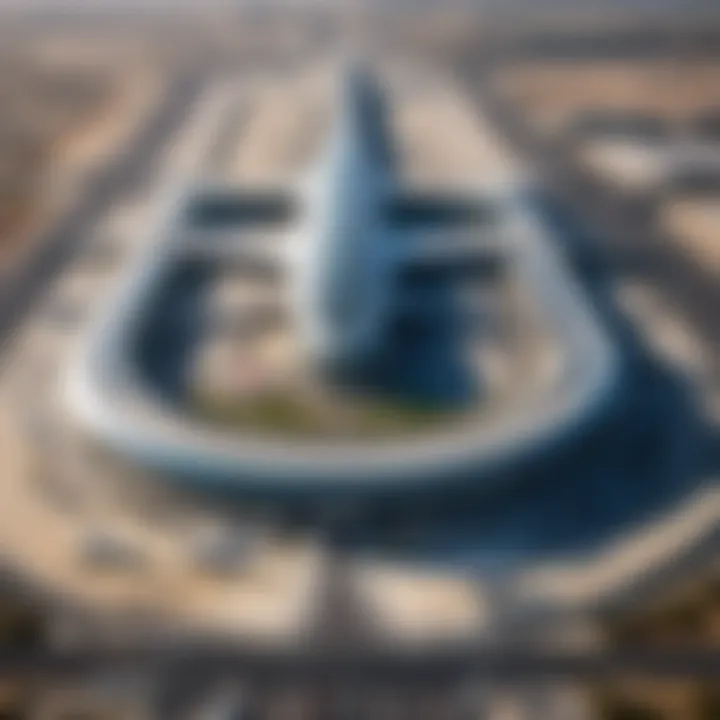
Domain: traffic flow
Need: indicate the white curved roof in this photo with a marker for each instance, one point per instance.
(107, 394)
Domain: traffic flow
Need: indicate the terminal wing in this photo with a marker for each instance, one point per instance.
(441, 243)
(442, 233)
(239, 225)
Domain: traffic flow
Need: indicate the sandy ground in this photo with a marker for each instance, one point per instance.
(75, 156)
(623, 163)
(274, 594)
(554, 92)
(55, 491)
(282, 132)
(695, 223)
(109, 128)
(262, 599)
(466, 154)
(283, 129)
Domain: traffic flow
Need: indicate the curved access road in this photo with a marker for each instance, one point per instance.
(109, 396)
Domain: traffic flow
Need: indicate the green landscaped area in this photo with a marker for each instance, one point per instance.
(291, 414)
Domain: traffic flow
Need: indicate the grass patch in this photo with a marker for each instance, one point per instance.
(293, 414)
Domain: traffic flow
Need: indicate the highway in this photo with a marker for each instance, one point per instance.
(128, 168)
(401, 668)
